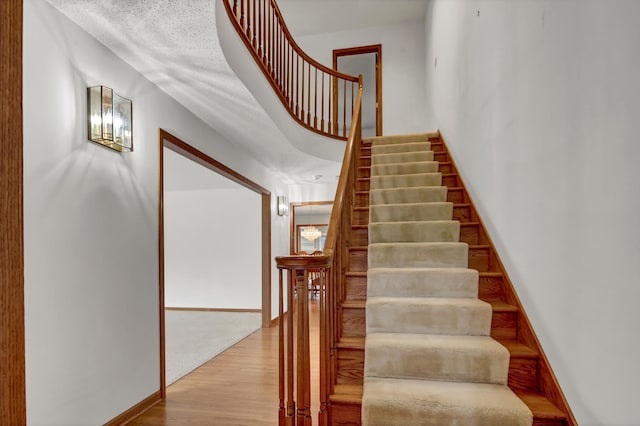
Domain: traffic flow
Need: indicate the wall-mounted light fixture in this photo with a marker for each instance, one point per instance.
(283, 207)
(110, 121)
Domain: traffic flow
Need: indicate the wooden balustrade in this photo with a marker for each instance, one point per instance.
(294, 328)
(317, 97)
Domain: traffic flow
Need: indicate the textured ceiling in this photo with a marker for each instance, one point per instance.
(174, 44)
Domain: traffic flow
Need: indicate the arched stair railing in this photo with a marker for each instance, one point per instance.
(318, 98)
(329, 103)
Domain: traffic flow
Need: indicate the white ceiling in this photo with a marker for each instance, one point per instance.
(174, 44)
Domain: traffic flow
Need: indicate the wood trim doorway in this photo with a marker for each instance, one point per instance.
(177, 145)
(292, 220)
(361, 50)
(12, 340)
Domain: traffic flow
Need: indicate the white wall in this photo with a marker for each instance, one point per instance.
(538, 101)
(403, 67)
(91, 227)
(213, 249)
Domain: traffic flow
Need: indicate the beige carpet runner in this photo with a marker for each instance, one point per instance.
(429, 359)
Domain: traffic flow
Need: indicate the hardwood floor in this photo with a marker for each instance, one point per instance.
(238, 387)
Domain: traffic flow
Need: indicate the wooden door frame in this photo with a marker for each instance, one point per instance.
(373, 48)
(13, 397)
(292, 220)
(181, 147)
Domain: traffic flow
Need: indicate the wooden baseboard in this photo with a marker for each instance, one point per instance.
(257, 311)
(136, 410)
(276, 320)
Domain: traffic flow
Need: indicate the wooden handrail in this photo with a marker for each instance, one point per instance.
(316, 96)
(330, 267)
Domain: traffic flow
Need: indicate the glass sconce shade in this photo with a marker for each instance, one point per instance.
(282, 205)
(110, 120)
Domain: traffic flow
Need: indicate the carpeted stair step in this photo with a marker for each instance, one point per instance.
(422, 282)
(401, 157)
(400, 147)
(407, 402)
(405, 168)
(426, 194)
(418, 255)
(410, 212)
(409, 137)
(431, 231)
(405, 181)
(478, 359)
(428, 315)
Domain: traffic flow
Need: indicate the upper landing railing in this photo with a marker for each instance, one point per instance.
(317, 97)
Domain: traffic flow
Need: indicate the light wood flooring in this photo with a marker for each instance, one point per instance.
(238, 387)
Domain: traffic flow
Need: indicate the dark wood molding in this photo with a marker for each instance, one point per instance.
(234, 310)
(135, 411)
(12, 339)
(360, 50)
(181, 147)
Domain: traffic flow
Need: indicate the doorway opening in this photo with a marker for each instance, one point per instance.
(365, 60)
(304, 215)
(177, 204)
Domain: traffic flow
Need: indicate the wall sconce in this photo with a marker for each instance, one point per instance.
(283, 206)
(109, 117)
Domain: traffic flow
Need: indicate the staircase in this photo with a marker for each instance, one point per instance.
(419, 267)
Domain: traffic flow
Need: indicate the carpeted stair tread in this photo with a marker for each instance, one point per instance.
(426, 194)
(414, 231)
(400, 147)
(428, 315)
(478, 359)
(410, 212)
(405, 168)
(406, 402)
(422, 282)
(412, 255)
(401, 157)
(395, 181)
(409, 137)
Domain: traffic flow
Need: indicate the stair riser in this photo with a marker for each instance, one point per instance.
(357, 261)
(411, 157)
(364, 172)
(360, 217)
(490, 288)
(405, 181)
(470, 234)
(400, 147)
(359, 237)
(364, 161)
(405, 168)
(401, 139)
(435, 255)
(440, 231)
(350, 366)
(411, 212)
(488, 365)
(462, 213)
(523, 374)
(422, 283)
(428, 319)
(362, 199)
(479, 259)
(455, 196)
(410, 195)
(356, 288)
(450, 181)
(504, 325)
(445, 168)
(441, 156)
(353, 322)
(362, 184)
(344, 414)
